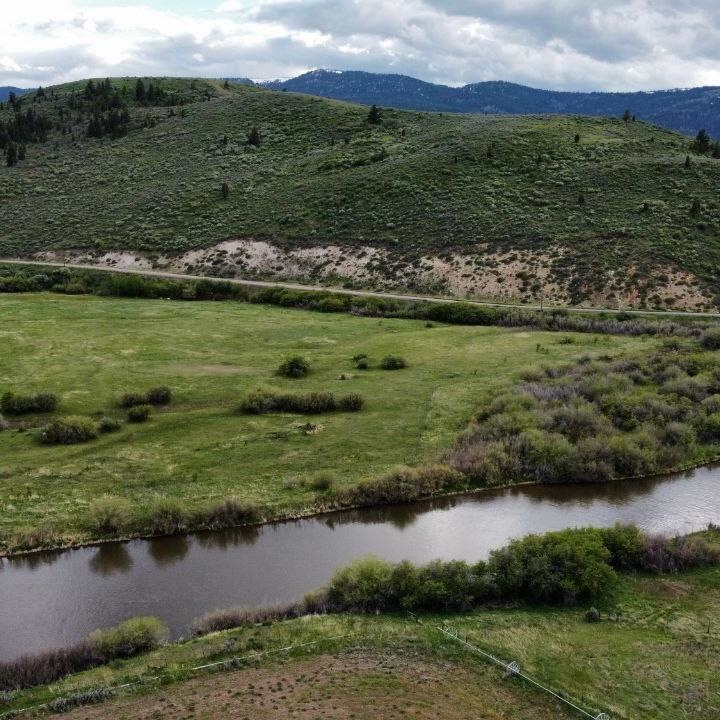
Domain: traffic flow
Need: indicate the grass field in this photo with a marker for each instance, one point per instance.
(659, 659)
(494, 187)
(89, 351)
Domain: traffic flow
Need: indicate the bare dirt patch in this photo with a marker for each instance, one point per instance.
(353, 685)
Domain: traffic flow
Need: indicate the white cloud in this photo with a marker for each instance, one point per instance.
(564, 44)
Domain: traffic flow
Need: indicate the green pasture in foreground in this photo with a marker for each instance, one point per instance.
(659, 659)
(91, 350)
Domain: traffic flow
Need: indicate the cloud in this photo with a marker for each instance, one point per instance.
(561, 44)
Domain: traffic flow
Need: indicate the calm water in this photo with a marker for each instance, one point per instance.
(52, 599)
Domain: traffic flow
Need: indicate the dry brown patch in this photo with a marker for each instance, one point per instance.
(355, 685)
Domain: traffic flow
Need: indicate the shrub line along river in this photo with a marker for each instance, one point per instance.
(51, 599)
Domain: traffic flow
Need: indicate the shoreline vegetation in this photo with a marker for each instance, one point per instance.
(574, 568)
(605, 417)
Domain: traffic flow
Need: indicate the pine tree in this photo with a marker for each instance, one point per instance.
(225, 190)
(626, 116)
(140, 90)
(11, 154)
(701, 143)
(577, 138)
(687, 162)
(374, 115)
(695, 208)
(254, 137)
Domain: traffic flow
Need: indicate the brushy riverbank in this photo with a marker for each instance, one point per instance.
(667, 622)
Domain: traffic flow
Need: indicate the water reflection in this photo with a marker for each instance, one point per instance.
(54, 599)
(111, 559)
(230, 538)
(169, 550)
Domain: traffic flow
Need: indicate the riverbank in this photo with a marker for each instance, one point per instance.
(665, 633)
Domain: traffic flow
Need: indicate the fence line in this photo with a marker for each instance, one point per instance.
(513, 668)
(197, 668)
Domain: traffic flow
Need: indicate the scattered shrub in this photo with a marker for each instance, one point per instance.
(165, 517)
(402, 484)
(229, 513)
(161, 395)
(87, 697)
(68, 431)
(139, 413)
(393, 362)
(710, 339)
(13, 404)
(362, 364)
(592, 615)
(4, 424)
(109, 514)
(294, 367)
(130, 400)
(132, 637)
(108, 425)
(158, 396)
(242, 617)
(351, 403)
(323, 482)
(46, 667)
(313, 403)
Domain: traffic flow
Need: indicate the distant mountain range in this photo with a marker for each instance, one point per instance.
(5, 92)
(685, 111)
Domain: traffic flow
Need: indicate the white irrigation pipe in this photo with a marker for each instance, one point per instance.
(514, 669)
(196, 668)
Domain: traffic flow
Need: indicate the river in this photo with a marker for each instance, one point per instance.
(52, 599)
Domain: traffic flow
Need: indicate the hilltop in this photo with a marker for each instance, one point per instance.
(559, 208)
(683, 110)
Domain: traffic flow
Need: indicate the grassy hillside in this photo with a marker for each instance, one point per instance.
(90, 351)
(510, 206)
(658, 659)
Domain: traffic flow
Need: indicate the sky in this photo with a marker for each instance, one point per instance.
(554, 44)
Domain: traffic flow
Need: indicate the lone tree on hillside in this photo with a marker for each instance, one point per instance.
(701, 143)
(140, 90)
(627, 116)
(254, 137)
(11, 154)
(375, 115)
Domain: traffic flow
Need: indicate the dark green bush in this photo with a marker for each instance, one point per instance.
(13, 404)
(707, 427)
(294, 367)
(139, 413)
(158, 396)
(129, 400)
(351, 403)
(130, 638)
(108, 425)
(710, 339)
(563, 567)
(68, 431)
(313, 403)
(393, 362)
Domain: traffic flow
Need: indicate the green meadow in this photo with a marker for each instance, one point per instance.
(89, 351)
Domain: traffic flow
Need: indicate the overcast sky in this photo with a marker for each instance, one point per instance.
(559, 44)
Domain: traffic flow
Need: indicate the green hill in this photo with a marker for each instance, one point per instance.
(567, 209)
